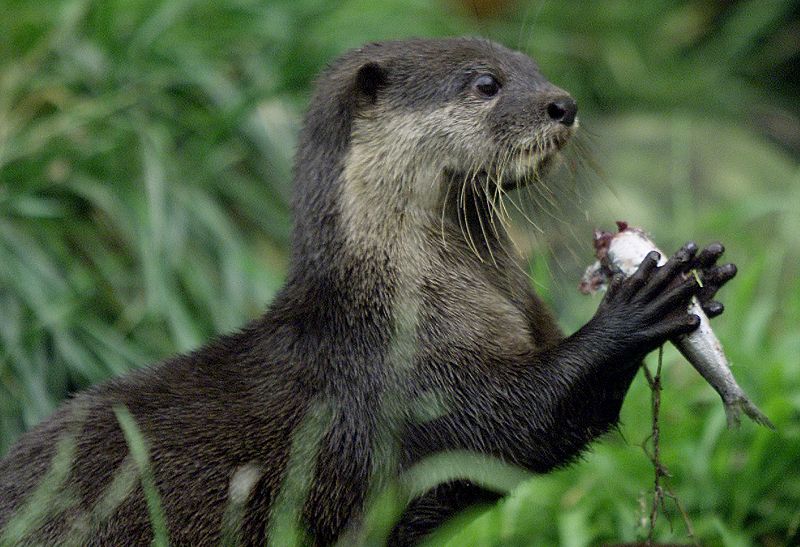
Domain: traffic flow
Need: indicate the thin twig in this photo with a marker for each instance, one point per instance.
(660, 471)
(655, 434)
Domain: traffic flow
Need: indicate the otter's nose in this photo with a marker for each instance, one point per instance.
(563, 110)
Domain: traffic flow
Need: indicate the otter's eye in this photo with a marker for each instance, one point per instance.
(487, 85)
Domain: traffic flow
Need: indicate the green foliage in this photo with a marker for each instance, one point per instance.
(140, 454)
(145, 159)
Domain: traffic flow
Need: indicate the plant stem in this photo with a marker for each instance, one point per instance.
(660, 471)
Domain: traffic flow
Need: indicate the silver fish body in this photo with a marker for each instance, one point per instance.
(626, 250)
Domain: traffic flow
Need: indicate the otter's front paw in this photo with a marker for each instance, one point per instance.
(713, 277)
(645, 310)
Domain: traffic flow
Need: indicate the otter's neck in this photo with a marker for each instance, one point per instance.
(387, 204)
(374, 218)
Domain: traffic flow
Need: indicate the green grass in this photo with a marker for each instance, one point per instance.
(140, 454)
(145, 159)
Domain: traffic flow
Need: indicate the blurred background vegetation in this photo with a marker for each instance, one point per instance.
(145, 166)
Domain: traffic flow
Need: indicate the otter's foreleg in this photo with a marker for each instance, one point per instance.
(540, 410)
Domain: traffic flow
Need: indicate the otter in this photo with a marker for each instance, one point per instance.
(405, 328)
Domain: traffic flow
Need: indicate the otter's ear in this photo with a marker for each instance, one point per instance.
(370, 79)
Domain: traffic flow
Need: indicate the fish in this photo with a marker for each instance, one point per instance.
(625, 250)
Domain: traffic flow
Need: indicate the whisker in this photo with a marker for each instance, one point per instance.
(444, 210)
(479, 214)
(491, 201)
(470, 240)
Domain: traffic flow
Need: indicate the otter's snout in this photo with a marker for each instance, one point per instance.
(563, 110)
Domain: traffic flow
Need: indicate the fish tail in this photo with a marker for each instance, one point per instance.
(733, 410)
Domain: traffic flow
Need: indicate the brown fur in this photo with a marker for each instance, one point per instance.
(402, 287)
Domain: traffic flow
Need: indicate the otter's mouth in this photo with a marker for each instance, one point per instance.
(520, 164)
(533, 160)
(545, 146)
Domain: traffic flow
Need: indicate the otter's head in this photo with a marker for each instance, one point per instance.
(393, 125)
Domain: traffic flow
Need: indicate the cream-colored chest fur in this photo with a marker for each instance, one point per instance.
(467, 305)
(391, 211)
